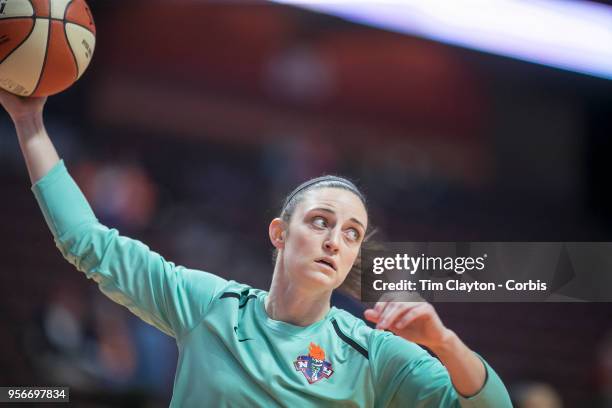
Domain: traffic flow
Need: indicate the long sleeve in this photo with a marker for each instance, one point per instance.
(407, 376)
(172, 298)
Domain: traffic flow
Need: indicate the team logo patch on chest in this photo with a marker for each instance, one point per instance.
(313, 366)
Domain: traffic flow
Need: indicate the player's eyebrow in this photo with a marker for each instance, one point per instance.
(328, 210)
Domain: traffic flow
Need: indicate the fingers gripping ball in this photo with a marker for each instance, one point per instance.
(45, 45)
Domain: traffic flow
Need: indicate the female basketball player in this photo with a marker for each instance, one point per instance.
(240, 346)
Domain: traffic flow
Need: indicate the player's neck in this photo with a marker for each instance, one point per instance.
(294, 304)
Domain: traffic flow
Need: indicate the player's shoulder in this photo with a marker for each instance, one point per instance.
(375, 342)
(351, 327)
(208, 285)
(238, 290)
(348, 321)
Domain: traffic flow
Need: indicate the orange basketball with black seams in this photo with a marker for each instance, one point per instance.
(45, 45)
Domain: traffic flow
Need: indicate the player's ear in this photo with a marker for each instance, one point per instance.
(276, 230)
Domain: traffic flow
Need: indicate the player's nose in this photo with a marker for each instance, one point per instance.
(332, 241)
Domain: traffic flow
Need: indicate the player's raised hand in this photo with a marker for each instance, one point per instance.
(38, 150)
(414, 321)
(19, 107)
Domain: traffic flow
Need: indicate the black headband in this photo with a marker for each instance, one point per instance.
(317, 180)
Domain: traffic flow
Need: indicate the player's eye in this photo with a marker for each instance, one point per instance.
(319, 222)
(353, 234)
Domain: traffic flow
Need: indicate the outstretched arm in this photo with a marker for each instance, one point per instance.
(172, 298)
(38, 150)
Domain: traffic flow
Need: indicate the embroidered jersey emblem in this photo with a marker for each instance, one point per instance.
(313, 366)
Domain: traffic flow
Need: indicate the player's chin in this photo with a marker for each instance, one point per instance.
(320, 278)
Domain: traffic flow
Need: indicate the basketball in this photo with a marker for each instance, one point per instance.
(45, 45)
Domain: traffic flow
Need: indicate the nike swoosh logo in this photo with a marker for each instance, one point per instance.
(240, 340)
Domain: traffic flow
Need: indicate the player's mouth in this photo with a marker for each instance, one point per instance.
(328, 262)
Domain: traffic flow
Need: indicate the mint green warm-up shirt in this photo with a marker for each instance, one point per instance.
(230, 352)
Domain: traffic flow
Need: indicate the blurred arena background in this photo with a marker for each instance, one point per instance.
(196, 118)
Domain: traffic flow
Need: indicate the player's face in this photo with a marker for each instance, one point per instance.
(324, 236)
